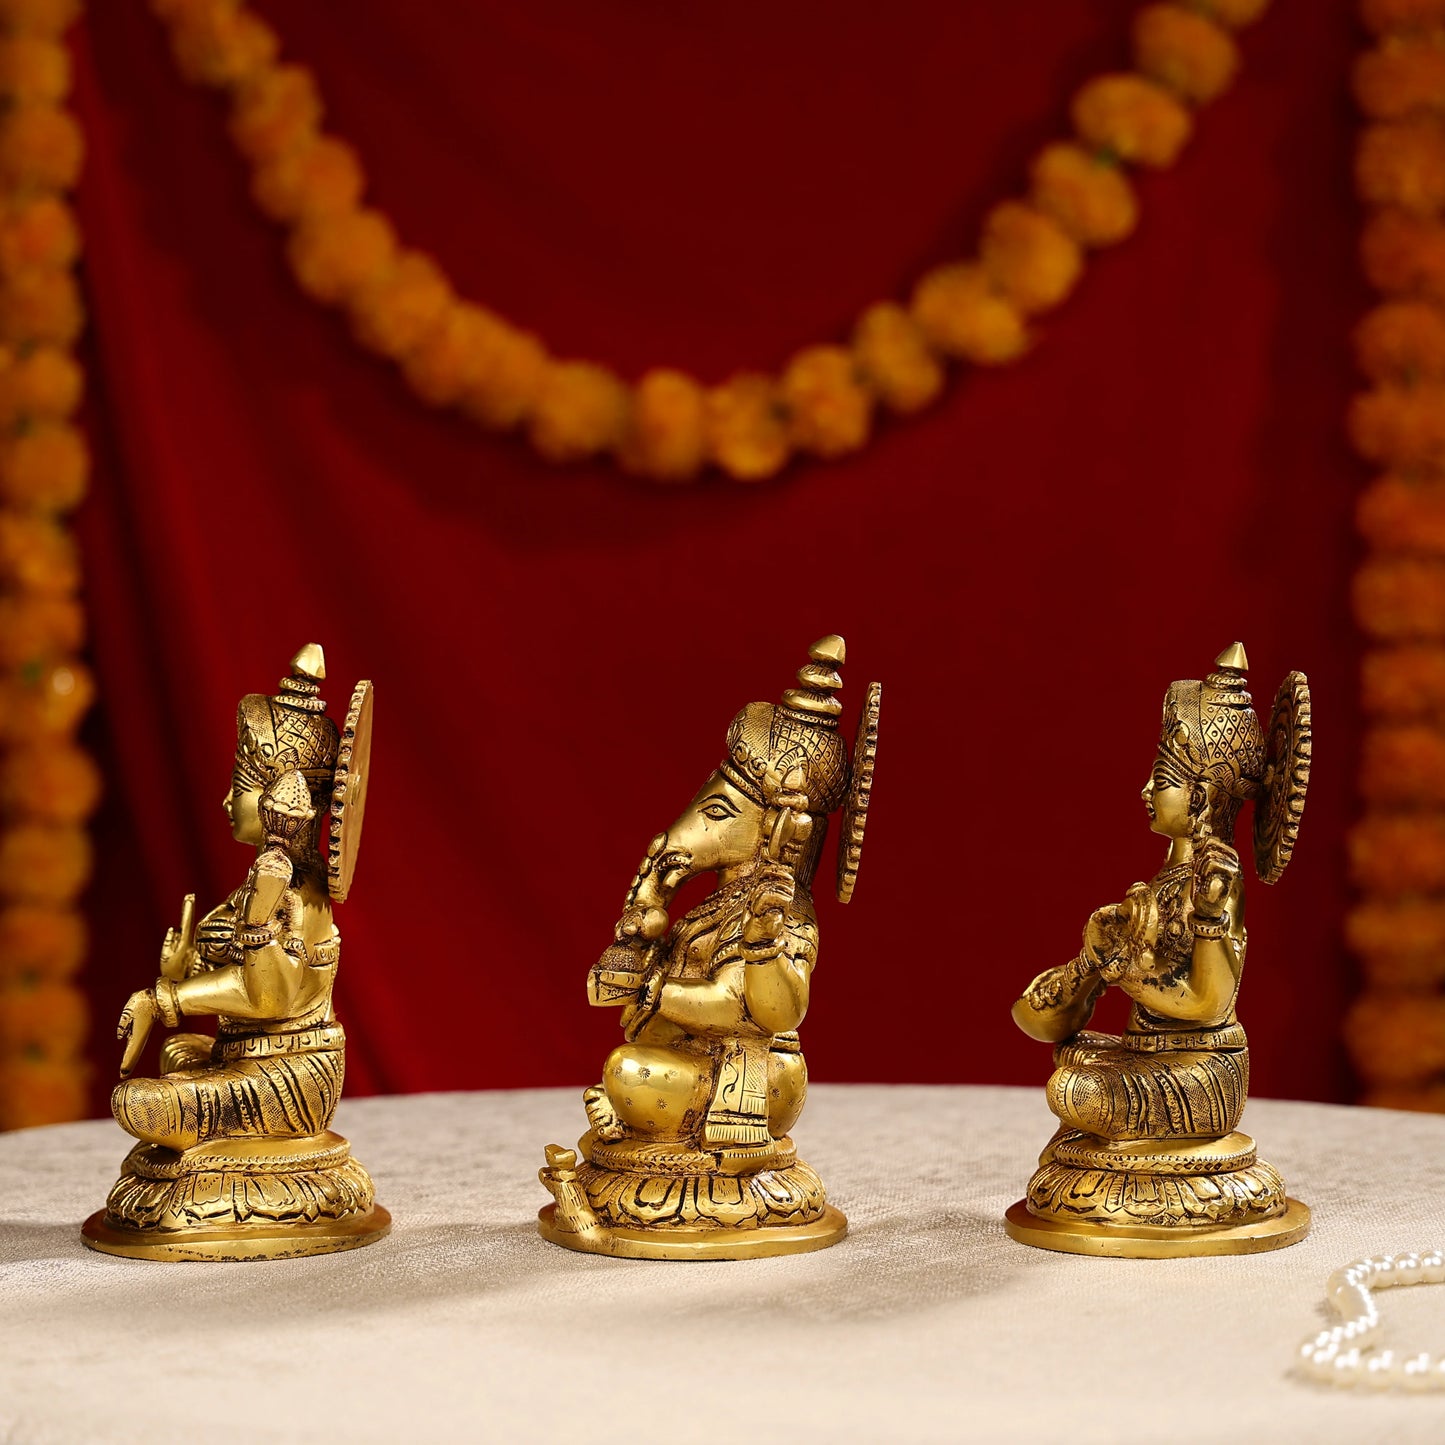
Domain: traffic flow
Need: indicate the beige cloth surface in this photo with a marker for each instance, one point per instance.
(927, 1323)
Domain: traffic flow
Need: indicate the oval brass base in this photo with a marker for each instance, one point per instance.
(238, 1243)
(1150, 1242)
(699, 1243)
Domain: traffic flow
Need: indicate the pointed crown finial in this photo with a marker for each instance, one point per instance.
(310, 663)
(818, 680)
(302, 689)
(1233, 658)
(831, 648)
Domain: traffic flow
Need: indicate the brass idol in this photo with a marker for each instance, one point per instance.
(1148, 1160)
(687, 1154)
(235, 1158)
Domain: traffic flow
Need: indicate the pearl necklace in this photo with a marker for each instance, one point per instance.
(1344, 1355)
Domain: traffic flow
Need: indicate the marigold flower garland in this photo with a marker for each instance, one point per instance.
(668, 426)
(1396, 1028)
(48, 784)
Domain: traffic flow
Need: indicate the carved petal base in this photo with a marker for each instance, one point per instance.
(1156, 1199)
(654, 1201)
(237, 1199)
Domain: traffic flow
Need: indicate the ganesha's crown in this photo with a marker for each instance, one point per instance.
(1211, 730)
(290, 730)
(768, 742)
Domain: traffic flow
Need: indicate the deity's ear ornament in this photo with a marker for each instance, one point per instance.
(688, 1154)
(1148, 1160)
(235, 1158)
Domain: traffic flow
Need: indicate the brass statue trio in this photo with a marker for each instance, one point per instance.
(688, 1151)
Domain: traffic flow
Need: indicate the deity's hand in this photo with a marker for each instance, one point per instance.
(1101, 932)
(765, 927)
(658, 876)
(136, 1018)
(636, 1016)
(178, 951)
(177, 956)
(1216, 873)
(641, 925)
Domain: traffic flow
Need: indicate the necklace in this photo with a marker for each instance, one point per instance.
(1345, 1354)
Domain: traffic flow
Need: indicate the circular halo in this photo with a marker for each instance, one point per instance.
(348, 794)
(1287, 757)
(860, 788)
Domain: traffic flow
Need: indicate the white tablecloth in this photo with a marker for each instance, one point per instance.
(927, 1323)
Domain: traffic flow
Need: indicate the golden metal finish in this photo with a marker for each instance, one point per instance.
(687, 1154)
(235, 1158)
(348, 797)
(855, 810)
(1147, 1161)
(1141, 1242)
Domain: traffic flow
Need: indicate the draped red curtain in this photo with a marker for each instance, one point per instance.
(557, 652)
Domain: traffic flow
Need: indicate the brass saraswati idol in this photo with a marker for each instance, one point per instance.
(235, 1159)
(1148, 1160)
(687, 1154)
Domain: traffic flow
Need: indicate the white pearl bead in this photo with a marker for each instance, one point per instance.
(1349, 1300)
(1439, 1373)
(1406, 1269)
(1432, 1267)
(1382, 1271)
(1379, 1370)
(1321, 1364)
(1345, 1367)
(1417, 1372)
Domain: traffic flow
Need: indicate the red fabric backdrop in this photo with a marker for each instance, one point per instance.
(557, 653)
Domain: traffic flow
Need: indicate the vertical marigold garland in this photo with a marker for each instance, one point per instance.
(48, 784)
(1396, 1028)
(668, 426)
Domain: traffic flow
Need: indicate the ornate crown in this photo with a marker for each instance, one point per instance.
(290, 730)
(1211, 731)
(768, 744)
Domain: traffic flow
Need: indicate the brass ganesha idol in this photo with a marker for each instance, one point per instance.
(687, 1153)
(1148, 1160)
(235, 1158)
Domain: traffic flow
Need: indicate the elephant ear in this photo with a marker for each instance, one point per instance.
(860, 791)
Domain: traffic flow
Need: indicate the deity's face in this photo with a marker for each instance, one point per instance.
(243, 809)
(721, 828)
(1166, 799)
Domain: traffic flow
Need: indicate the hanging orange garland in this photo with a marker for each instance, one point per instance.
(669, 426)
(1396, 1029)
(48, 784)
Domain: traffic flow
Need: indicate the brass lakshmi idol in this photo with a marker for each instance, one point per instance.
(1148, 1161)
(687, 1155)
(235, 1159)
